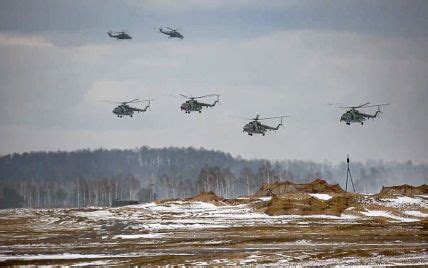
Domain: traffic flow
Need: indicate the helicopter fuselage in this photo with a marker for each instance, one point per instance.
(195, 106)
(354, 116)
(172, 34)
(120, 36)
(175, 35)
(255, 127)
(123, 110)
(126, 110)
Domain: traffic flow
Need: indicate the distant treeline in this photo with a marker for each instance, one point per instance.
(96, 177)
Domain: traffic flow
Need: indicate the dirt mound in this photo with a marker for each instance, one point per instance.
(209, 197)
(404, 189)
(279, 188)
(289, 205)
(205, 196)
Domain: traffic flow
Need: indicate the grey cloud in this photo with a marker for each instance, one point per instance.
(60, 90)
(57, 66)
(217, 19)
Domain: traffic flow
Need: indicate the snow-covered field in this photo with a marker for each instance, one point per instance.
(380, 231)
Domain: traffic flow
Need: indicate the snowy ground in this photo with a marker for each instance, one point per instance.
(386, 231)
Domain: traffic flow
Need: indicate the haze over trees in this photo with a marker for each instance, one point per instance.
(96, 177)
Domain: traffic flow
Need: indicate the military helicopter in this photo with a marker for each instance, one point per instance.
(171, 32)
(119, 35)
(255, 127)
(192, 105)
(124, 109)
(355, 116)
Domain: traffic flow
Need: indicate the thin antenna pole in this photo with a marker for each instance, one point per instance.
(348, 176)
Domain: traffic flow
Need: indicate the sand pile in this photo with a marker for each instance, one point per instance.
(280, 188)
(404, 189)
(290, 205)
(209, 197)
(205, 197)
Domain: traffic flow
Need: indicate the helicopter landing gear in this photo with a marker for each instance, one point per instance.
(362, 123)
(200, 111)
(348, 123)
(263, 134)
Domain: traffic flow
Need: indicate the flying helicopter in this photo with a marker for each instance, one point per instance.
(119, 35)
(192, 105)
(124, 109)
(355, 116)
(255, 127)
(171, 32)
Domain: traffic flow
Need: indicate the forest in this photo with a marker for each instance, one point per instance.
(96, 177)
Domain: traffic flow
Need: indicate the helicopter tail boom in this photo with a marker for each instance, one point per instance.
(147, 106)
(215, 102)
(378, 112)
(279, 125)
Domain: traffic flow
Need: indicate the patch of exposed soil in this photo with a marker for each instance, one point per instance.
(308, 205)
(209, 197)
(186, 233)
(406, 190)
(280, 188)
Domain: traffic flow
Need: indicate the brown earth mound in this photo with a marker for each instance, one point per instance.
(287, 205)
(279, 188)
(209, 197)
(204, 197)
(404, 189)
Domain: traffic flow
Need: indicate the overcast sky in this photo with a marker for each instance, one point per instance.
(57, 64)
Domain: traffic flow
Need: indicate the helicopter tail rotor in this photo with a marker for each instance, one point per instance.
(378, 112)
(281, 122)
(148, 104)
(217, 101)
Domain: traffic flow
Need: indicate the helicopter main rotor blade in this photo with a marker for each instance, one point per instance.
(353, 107)
(366, 105)
(209, 95)
(132, 101)
(376, 105)
(362, 105)
(125, 102)
(265, 118)
(184, 96)
(146, 100)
